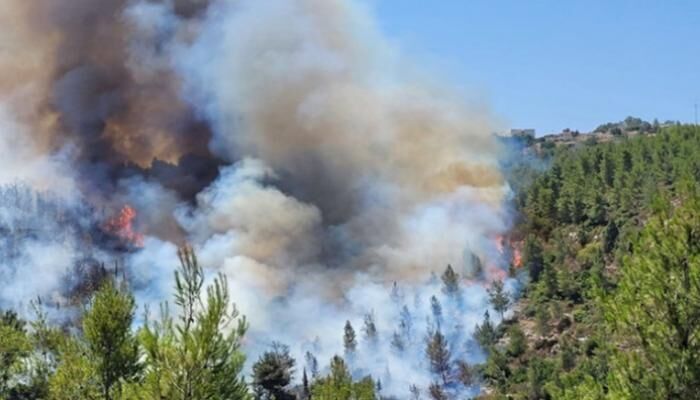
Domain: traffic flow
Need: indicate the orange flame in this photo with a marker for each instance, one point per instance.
(493, 272)
(121, 225)
(513, 246)
(517, 258)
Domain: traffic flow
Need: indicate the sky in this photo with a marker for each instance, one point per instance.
(551, 65)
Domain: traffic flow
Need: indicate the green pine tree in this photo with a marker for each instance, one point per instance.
(349, 339)
(111, 345)
(338, 385)
(198, 355)
(485, 334)
(450, 282)
(272, 374)
(655, 311)
(438, 353)
(498, 297)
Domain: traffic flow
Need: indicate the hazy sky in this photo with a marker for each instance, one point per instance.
(557, 64)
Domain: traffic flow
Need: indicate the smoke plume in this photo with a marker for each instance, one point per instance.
(287, 142)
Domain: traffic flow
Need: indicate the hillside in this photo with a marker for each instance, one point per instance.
(606, 265)
(611, 235)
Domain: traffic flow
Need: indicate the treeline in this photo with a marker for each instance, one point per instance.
(633, 124)
(195, 355)
(196, 352)
(611, 243)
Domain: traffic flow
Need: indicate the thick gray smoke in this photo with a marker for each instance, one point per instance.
(285, 141)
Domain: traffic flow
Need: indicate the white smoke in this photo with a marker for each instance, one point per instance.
(22, 159)
(35, 189)
(44, 243)
(346, 175)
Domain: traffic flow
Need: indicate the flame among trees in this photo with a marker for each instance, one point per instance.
(121, 225)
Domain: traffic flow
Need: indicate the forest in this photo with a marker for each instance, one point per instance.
(609, 308)
(611, 244)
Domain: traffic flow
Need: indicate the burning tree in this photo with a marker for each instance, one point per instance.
(121, 225)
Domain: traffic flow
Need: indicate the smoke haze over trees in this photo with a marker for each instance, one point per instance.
(216, 199)
(316, 172)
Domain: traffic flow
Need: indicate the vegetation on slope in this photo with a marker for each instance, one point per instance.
(611, 242)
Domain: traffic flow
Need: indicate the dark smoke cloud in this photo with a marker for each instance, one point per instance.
(107, 87)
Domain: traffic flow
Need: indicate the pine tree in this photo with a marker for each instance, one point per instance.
(497, 370)
(465, 373)
(607, 169)
(10, 319)
(46, 342)
(349, 339)
(567, 355)
(439, 355)
(533, 260)
(306, 390)
(112, 347)
(548, 284)
(655, 310)
(338, 385)
(436, 309)
(595, 207)
(370, 330)
(477, 268)
(415, 392)
(433, 278)
(395, 294)
(272, 373)
(518, 343)
(437, 392)
(198, 355)
(610, 237)
(542, 319)
(312, 364)
(567, 284)
(498, 297)
(14, 347)
(450, 282)
(397, 342)
(537, 374)
(485, 334)
(406, 324)
(75, 376)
